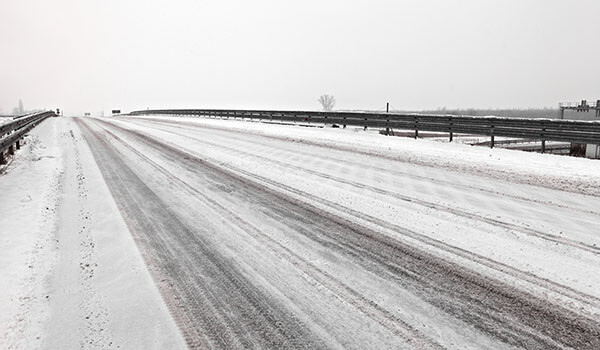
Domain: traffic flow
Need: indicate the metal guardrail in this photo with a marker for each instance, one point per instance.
(17, 116)
(12, 132)
(534, 129)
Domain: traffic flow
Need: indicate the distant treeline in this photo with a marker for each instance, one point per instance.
(550, 113)
(524, 113)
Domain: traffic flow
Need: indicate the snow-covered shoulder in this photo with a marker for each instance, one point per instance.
(70, 272)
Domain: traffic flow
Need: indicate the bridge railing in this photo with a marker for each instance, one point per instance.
(535, 129)
(12, 132)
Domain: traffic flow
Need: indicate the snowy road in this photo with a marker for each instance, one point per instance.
(262, 241)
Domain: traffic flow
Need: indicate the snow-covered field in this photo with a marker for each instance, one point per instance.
(246, 234)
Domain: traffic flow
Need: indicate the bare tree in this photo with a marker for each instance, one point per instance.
(327, 101)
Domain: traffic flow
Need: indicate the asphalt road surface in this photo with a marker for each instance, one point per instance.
(260, 242)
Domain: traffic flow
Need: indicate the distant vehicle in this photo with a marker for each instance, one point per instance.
(116, 111)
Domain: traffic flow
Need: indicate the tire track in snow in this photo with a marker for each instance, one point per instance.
(177, 125)
(427, 204)
(317, 275)
(526, 179)
(218, 306)
(499, 310)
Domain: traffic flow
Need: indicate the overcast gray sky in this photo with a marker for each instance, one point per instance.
(133, 54)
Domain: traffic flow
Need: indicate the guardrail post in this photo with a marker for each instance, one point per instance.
(450, 128)
(387, 126)
(416, 127)
(543, 140)
(344, 117)
(492, 136)
(18, 145)
(543, 146)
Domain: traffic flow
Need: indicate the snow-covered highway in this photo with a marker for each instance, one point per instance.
(271, 236)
